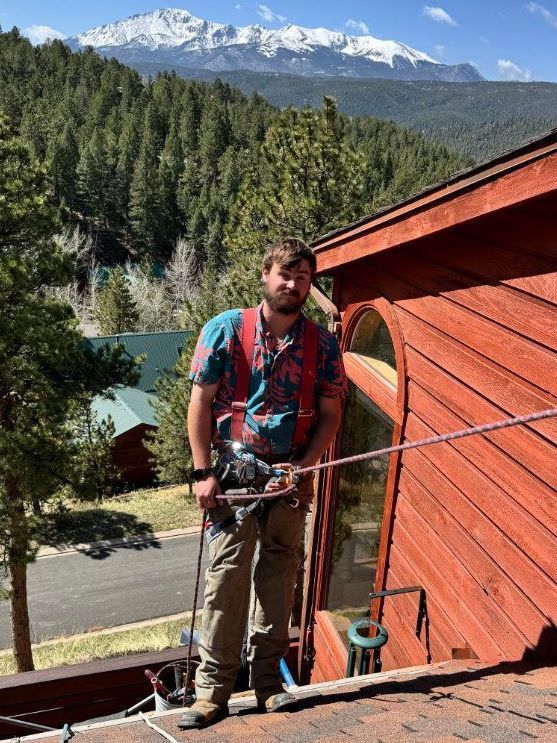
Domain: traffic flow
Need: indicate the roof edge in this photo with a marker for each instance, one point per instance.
(465, 180)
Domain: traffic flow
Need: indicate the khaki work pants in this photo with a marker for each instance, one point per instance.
(279, 529)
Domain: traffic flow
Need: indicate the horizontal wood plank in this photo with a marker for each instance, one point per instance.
(533, 539)
(330, 652)
(519, 443)
(499, 592)
(438, 579)
(529, 361)
(523, 229)
(399, 617)
(495, 623)
(535, 499)
(519, 312)
(506, 390)
(489, 261)
(520, 568)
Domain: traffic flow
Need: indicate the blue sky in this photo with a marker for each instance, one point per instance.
(506, 40)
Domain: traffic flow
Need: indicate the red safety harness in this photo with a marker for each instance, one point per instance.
(243, 375)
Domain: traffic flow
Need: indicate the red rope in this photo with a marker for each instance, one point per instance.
(507, 423)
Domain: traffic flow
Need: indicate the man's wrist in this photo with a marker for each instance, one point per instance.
(201, 473)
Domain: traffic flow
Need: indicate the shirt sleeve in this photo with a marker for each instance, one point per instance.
(334, 382)
(207, 366)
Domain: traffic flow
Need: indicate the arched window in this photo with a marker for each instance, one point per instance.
(372, 344)
(360, 503)
(371, 415)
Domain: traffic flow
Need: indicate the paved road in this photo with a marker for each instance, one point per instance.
(74, 592)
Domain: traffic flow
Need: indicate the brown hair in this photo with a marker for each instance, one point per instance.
(287, 253)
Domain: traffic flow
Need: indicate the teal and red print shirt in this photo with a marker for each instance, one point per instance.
(274, 389)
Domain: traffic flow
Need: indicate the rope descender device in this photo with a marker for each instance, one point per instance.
(241, 473)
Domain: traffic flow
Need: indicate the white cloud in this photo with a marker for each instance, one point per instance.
(39, 34)
(359, 26)
(439, 15)
(511, 71)
(546, 14)
(238, 6)
(439, 50)
(268, 15)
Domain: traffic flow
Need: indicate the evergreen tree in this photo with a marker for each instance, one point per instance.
(169, 442)
(307, 180)
(63, 158)
(190, 118)
(144, 209)
(44, 369)
(115, 311)
(95, 476)
(128, 146)
(170, 169)
(93, 177)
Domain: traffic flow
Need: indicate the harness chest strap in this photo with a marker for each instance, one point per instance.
(307, 387)
(243, 376)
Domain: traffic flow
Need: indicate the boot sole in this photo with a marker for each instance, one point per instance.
(261, 706)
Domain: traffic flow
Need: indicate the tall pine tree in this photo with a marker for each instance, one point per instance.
(116, 311)
(44, 369)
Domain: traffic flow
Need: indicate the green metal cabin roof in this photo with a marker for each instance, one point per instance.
(130, 408)
(161, 350)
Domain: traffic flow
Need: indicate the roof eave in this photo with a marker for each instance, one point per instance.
(521, 174)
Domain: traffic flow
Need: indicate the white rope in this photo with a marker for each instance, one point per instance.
(160, 731)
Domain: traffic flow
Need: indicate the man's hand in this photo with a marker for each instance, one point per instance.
(205, 491)
(277, 486)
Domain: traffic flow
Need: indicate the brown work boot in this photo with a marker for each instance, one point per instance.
(275, 702)
(202, 713)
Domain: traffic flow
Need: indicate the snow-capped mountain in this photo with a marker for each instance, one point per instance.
(176, 39)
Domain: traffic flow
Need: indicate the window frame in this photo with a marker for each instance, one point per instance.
(323, 522)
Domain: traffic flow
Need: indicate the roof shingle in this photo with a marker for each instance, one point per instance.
(446, 703)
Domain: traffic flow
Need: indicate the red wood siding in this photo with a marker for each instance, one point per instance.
(475, 520)
(132, 458)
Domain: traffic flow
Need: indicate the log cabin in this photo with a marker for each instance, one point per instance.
(131, 409)
(446, 307)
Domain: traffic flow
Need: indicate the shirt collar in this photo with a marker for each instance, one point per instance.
(292, 334)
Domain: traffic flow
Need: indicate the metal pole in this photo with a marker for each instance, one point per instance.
(137, 706)
(25, 724)
(351, 665)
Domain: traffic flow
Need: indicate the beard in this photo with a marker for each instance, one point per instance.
(286, 303)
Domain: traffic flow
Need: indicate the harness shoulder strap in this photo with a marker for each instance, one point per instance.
(243, 373)
(306, 411)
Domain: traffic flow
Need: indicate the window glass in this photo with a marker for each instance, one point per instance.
(373, 345)
(359, 511)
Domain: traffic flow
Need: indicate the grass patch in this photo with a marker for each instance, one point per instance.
(138, 513)
(116, 643)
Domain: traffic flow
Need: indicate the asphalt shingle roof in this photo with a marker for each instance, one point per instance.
(445, 703)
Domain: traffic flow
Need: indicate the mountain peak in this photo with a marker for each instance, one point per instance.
(180, 39)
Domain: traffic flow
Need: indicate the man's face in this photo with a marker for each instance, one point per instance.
(286, 289)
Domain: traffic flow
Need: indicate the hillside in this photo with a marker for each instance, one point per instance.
(138, 163)
(479, 119)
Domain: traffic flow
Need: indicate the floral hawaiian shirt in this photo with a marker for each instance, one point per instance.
(274, 388)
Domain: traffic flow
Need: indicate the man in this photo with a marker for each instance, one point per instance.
(268, 426)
